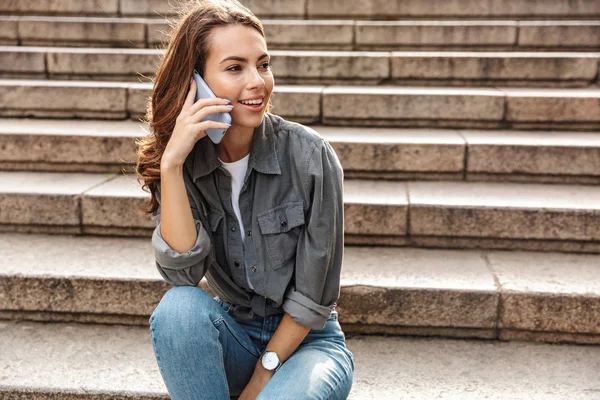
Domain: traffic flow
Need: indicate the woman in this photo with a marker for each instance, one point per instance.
(260, 214)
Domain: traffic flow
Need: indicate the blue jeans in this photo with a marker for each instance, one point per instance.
(205, 351)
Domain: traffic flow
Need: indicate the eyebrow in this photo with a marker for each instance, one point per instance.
(242, 59)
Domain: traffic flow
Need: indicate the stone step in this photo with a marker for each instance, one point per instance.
(532, 69)
(503, 295)
(529, 216)
(386, 368)
(316, 34)
(373, 153)
(377, 9)
(311, 9)
(440, 107)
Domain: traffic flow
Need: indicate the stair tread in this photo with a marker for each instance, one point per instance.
(385, 367)
(134, 129)
(322, 53)
(117, 259)
(504, 194)
(439, 193)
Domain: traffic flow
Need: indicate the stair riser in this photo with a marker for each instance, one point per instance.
(362, 310)
(347, 35)
(382, 224)
(18, 393)
(316, 9)
(378, 9)
(362, 68)
(524, 162)
(393, 107)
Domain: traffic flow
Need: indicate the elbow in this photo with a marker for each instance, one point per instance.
(183, 277)
(304, 310)
(182, 269)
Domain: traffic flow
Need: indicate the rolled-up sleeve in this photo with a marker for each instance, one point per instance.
(181, 269)
(310, 297)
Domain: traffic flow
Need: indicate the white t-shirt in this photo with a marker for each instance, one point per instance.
(237, 170)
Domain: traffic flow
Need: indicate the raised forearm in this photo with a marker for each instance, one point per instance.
(177, 222)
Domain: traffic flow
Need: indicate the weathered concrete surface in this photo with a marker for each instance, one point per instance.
(383, 9)
(386, 368)
(503, 210)
(557, 293)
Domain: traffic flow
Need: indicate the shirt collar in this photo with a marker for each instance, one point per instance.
(263, 153)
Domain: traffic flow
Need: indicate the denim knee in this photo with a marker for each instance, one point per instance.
(180, 303)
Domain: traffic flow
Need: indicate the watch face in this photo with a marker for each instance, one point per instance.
(270, 360)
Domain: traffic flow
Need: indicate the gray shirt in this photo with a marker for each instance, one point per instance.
(293, 213)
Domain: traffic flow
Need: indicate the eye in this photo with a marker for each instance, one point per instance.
(266, 65)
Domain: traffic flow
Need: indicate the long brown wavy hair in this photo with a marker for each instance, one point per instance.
(187, 49)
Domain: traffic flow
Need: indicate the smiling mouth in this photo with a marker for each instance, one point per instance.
(253, 103)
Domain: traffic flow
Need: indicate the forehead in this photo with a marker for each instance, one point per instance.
(236, 40)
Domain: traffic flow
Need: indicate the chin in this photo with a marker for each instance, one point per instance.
(250, 122)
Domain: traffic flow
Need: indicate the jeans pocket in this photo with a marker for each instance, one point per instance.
(226, 306)
(246, 342)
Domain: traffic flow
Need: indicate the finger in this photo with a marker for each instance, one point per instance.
(189, 100)
(206, 111)
(204, 102)
(204, 125)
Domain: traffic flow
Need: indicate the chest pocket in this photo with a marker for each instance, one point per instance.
(280, 228)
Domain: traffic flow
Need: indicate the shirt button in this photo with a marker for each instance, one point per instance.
(236, 263)
(249, 233)
(283, 223)
(233, 229)
(254, 268)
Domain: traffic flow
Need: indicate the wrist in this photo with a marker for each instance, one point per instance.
(269, 361)
(167, 165)
(260, 370)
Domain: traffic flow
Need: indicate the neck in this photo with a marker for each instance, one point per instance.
(236, 143)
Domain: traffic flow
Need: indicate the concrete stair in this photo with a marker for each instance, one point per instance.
(440, 107)
(426, 214)
(498, 35)
(117, 362)
(530, 69)
(54, 145)
(314, 9)
(483, 294)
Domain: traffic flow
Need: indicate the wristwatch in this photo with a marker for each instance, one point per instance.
(270, 361)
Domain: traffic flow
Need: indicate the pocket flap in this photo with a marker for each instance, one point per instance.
(214, 217)
(282, 218)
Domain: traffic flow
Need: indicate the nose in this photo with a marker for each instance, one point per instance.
(255, 80)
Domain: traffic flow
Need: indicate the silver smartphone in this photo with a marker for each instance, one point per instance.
(203, 92)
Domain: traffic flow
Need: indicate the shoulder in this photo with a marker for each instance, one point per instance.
(294, 133)
(303, 147)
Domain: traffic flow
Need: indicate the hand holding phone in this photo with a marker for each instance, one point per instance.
(195, 120)
(204, 92)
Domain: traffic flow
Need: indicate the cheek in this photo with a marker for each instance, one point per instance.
(269, 83)
(227, 88)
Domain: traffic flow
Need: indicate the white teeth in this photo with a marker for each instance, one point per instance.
(252, 102)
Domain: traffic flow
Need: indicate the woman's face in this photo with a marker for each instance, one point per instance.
(238, 69)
